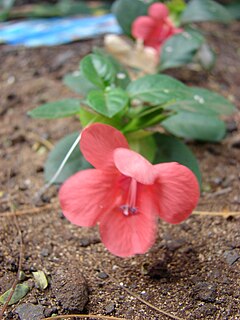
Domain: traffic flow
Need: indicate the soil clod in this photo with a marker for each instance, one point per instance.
(70, 288)
(205, 291)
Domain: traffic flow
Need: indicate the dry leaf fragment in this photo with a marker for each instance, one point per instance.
(132, 55)
(20, 291)
(40, 279)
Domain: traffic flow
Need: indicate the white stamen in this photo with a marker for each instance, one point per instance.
(130, 207)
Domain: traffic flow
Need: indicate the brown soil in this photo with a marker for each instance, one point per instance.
(193, 269)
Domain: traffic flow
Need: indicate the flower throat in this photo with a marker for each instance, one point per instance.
(130, 207)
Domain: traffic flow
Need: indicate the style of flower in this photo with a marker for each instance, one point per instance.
(125, 194)
(155, 28)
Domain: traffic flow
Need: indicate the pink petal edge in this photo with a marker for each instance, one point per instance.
(176, 192)
(132, 164)
(142, 27)
(85, 196)
(158, 11)
(98, 141)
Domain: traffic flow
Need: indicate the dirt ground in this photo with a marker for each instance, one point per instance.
(193, 270)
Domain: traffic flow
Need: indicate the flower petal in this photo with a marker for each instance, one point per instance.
(158, 11)
(132, 164)
(176, 192)
(126, 236)
(98, 142)
(85, 196)
(142, 27)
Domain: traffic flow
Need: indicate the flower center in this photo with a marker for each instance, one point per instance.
(129, 208)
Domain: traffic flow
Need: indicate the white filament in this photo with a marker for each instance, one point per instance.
(59, 170)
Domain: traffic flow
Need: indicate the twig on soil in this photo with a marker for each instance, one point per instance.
(34, 210)
(139, 298)
(225, 214)
(219, 192)
(29, 210)
(46, 143)
(84, 316)
(13, 287)
(150, 305)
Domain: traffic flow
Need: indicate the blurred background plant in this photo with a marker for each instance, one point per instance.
(46, 9)
(182, 42)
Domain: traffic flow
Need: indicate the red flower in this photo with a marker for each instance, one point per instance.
(155, 28)
(125, 194)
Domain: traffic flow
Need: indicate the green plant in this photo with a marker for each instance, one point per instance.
(140, 109)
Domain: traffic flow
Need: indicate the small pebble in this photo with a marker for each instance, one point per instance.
(84, 242)
(28, 311)
(231, 126)
(44, 252)
(228, 181)
(9, 316)
(231, 256)
(110, 308)
(49, 312)
(114, 267)
(217, 180)
(102, 275)
(61, 59)
(205, 291)
(173, 245)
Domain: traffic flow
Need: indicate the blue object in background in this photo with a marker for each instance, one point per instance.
(56, 31)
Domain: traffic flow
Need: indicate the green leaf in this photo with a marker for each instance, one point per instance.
(146, 146)
(98, 70)
(75, 163)
(44, 10)
(108, 102)
(78, 83)
(4, 15)
(205, 10)
(126, 11)
(170, 149)
(195, 126)
(40, 279)
(7, 4)
(180, 49)
(122, 78)
(20, 291)
(90, 116)
(153, 117)
(58, 109)
(234, 9)
(61, 8)
(156, 89)
(176, 6)
(203, 101)
(212, 101)
(206, 56)
(68, 7)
